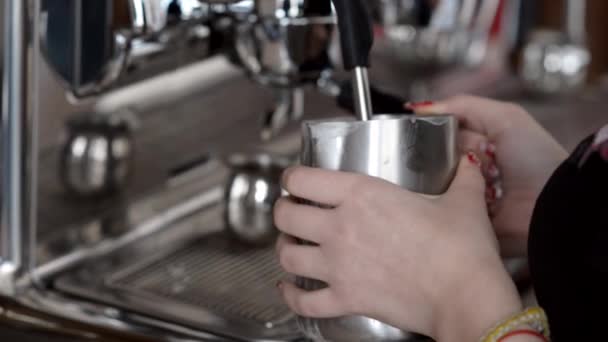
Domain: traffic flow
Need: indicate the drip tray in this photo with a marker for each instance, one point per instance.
(216, 275)
(211, 283)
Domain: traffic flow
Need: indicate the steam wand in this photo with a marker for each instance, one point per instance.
(357, 38)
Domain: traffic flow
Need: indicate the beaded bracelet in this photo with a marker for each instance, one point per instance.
(534, 318)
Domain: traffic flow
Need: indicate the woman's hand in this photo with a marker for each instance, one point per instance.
(429, 265)
(525, 153)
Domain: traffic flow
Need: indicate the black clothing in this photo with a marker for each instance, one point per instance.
(568, 245)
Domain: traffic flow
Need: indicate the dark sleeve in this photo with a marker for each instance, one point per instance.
(568, 245)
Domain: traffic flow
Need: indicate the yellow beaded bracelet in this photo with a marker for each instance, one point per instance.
(534, 318)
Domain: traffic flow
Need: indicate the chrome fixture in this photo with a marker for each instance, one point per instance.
(95, 46)
(18, 151)
(289, 107)
(253, 188)
(455, 33)
(445, 33)
(558, 61)
(97, 155)
(284, 44)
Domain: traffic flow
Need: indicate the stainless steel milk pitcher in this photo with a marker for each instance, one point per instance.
(417, 153)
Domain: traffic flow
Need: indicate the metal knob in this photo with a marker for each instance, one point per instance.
(97, 154)
(252, 190)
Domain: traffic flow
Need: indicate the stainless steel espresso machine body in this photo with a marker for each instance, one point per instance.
(90, 253)
(94, 47)
(444, 33)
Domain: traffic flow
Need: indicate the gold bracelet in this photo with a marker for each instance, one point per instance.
(534, 318)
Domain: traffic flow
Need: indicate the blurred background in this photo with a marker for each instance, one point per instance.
(145, 138)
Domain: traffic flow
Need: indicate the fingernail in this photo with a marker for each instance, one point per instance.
(488, 149)
(416, 105)
(279, 285)
(499, 192)
(472, 157)
(491, 151)
(494, 192)
(285, 177)
(483, 146)
(493, 171)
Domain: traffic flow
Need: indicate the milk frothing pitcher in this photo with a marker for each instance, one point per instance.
(414, 152)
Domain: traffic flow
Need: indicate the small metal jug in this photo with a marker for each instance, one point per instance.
(417, 153)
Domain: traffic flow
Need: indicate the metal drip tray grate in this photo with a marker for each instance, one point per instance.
(212, 284)
(214, 273)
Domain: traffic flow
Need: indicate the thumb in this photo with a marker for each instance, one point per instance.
(469, 182)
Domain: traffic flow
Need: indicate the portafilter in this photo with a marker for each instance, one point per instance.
(285, 43)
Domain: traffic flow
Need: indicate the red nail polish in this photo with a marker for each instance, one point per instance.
(491, 151)
(493, 171)
(473, 158)
(414, 105)
(491, 194)
(483, 146)
(494, 193)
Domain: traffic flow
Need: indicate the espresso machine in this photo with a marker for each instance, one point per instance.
(144, 211)
(142, 214)
(431, 38)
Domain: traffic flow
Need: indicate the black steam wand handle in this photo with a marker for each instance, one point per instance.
(357, 38)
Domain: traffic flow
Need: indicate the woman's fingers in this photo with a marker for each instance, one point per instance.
(481, 115)
(302, 221)
(468, 182)
(284, 239)
(301, 260)
(471, 141)
(485, 150)
(325, 187)
(318, 304)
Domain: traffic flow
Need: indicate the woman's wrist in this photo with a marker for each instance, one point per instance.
(524, 333)
(487, 298)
